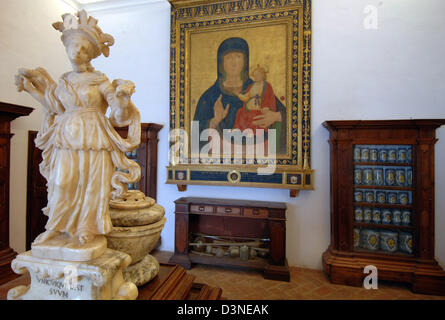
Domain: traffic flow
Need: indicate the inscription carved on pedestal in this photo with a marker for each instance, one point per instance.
(58, 287)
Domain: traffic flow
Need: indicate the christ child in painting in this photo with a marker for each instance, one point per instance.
(258, 97)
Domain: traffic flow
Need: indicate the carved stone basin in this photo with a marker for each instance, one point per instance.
(137, 225)
(136, 241)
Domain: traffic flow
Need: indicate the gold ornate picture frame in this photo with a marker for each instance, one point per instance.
(241, 67)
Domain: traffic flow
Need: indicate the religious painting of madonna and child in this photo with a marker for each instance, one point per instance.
(240, 94)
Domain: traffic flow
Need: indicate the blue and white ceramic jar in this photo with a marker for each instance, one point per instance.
(392, 155)
(386, 216)
(403, 198)
(401, 155)
(369, 239)
(365, 154)
(369, 196)
(358, 176)
(400, 177)
(367, 215)
(358, 214)
(380, 197)
(396, 217)
(373, 155)
(358, 196)
(368, 176)
(383, 155)
(357, 154)
(392, 197)
(406, 242)
(409, 177)
(406, 217)
(390, 177)
(376, 216)
(378, 177)
(389, 241)
(409, 155)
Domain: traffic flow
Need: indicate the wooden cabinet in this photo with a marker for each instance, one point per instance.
(382, 203)
(146, 155)
(235, 221)
(8, 112)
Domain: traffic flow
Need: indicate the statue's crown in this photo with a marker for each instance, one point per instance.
(88, 26)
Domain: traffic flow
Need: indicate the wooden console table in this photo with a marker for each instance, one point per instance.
(232, 218)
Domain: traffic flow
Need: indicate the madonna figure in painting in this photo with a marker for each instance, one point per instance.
(218, 106)
(81, 149)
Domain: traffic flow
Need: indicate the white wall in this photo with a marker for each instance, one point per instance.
(27, 40)
(394, 72)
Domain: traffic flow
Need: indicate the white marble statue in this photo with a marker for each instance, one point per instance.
(81, 149)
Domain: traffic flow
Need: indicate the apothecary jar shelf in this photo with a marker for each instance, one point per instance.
(382, 202)
(382, 226)
(377, 205)
(385, 188)
(386, 164)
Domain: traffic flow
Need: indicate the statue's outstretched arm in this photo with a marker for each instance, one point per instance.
(39, 84)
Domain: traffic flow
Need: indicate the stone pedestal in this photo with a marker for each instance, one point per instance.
(97, 279)
(137, 225)
(143, 271)
(63, 247)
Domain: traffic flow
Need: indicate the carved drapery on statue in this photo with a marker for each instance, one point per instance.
(81, 151)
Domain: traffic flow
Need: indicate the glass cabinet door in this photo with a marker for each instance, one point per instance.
(383, 196)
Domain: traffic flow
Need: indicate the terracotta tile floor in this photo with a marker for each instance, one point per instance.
(305, 284)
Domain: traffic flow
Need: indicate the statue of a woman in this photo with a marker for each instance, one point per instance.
(81, 149)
